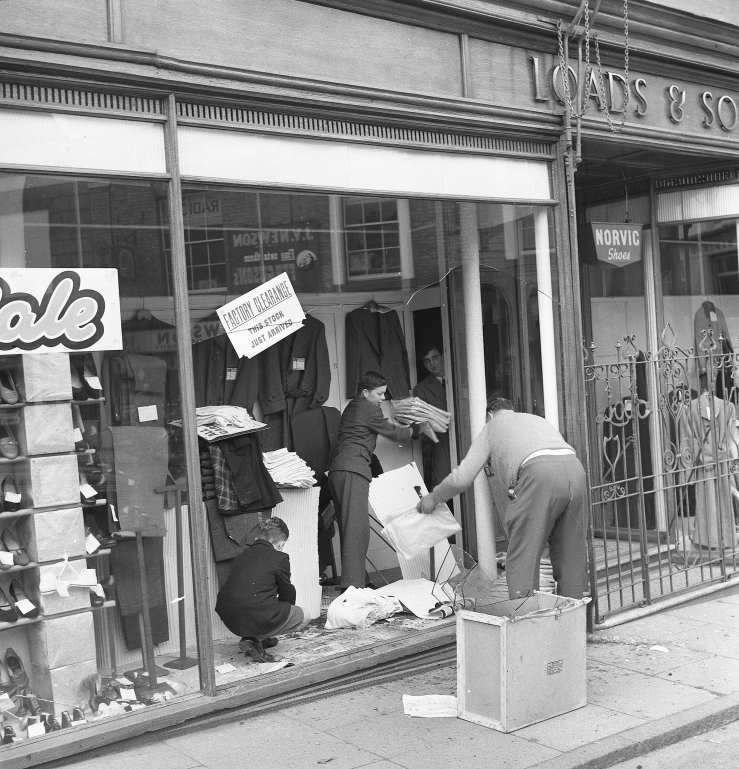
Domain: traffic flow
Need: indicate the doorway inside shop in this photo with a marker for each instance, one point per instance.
(659, 327)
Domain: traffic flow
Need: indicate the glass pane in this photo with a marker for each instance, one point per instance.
(379, 281)
(97, 448)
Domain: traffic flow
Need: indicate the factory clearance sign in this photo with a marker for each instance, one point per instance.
(260, 318)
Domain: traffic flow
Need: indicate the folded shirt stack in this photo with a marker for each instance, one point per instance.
(288, 469)
(414, 410)
(226, 416)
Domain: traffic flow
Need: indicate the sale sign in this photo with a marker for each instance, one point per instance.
(260, 318)
(50, 310)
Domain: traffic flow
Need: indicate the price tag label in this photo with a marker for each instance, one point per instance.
(6, 559)
(24, 606)
(87, 491)
(112, 512)
(713, 317)
(94, 382)
(12, 496)
(86, 578)
(231, 374)
(63, 589)
(91, 544)
(148, 413)
(77, 435)
(127, 695)
(36, 730)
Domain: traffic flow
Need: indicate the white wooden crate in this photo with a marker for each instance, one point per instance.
(515, 670)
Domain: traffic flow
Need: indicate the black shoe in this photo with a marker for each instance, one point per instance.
(7, 609)
(89, 376)
(269, 643)
(108, 584)
(96, 601)
(66, 720)
(15, 667)
(10, 489)
(253, 649)
(78, 389)
(8, 735)
(17, 593)
(77, 715)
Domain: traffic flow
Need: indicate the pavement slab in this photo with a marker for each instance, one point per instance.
(639, 695)
(717, 613)
(159, 755)
(275, 741)
(572, 730)
(642, 659)
(717, 675)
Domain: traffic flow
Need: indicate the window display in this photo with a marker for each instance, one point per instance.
(89, 528)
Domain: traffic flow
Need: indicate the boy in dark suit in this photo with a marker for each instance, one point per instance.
(257, 602)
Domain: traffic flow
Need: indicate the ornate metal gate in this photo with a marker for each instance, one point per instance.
(664, 470)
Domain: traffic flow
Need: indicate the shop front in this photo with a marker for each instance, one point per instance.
(422, 211)
(121, 239)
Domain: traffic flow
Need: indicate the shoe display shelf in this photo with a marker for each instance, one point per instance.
(50, 525)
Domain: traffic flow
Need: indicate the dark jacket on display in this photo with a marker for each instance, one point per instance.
(286, 389)
(258, 594)
(432, 391)
(359, 427)
(212, 361)
(252, 483)
(280, 380)
(375, 342)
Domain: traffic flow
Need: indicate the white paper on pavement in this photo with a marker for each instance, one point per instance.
(430, 706)
(262, 317)
(420, 596)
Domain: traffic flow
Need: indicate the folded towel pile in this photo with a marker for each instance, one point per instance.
(288, 469)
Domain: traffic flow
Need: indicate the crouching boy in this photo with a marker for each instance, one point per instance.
(258, 600)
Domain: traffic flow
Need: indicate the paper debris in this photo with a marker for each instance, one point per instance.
(227, 667)
(430, 706)
(659, 649)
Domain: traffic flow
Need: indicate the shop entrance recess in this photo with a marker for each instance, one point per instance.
(661, 379)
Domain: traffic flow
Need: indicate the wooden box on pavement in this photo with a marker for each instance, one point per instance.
(521, 661)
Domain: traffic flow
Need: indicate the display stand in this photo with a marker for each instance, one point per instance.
(183, 662)
(150, 668)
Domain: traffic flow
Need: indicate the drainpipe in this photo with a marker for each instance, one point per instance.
(476, 385)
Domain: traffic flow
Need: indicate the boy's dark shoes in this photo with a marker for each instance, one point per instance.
(269, 643)
(253, 649)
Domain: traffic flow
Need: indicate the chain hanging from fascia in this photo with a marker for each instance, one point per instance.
(578, 110)
(627, 83)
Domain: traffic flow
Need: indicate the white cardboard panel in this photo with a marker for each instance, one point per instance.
(320, 164)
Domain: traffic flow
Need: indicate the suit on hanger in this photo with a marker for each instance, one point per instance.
(212, 360)
(285, 389)
(375, 342)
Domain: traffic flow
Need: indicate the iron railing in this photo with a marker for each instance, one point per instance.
(663, 470)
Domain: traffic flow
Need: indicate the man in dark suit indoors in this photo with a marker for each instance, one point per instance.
(432, 389)
(257, 602)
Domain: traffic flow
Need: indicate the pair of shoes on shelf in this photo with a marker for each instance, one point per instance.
(253, 649)
(8, 443)
(9, 610)
(85, 380)
(8, 390)
(10, 544)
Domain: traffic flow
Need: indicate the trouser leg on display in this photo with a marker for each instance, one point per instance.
(350, 492)
(549, 507)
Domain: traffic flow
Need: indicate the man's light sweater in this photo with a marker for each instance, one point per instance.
(508, 438)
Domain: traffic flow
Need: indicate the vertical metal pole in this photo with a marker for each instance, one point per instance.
(470, 242)
(546, 316)
(147, 640)
(198, 533)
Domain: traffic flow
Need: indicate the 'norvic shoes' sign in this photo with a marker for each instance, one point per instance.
(617, 245)
(48, 310)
